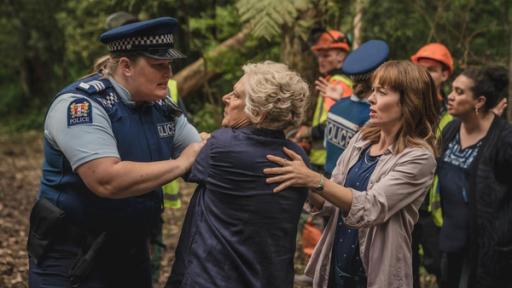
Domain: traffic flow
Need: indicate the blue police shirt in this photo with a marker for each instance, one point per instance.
(237, 232)
(343, 121)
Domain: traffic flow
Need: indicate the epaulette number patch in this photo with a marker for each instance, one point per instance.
(79, 112)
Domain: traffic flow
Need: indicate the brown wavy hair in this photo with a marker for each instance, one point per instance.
(417, 101)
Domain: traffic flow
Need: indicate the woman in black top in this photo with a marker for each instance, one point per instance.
(475, 184)
(237, 232)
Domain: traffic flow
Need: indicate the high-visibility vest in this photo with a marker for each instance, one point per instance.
(171, 190)
(434, 205)
(318, 154)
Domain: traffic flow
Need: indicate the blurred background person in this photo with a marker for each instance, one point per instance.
(330, 48)
(349, 114)
(438, 61)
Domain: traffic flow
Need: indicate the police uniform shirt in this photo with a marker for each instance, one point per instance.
(85, 142)
(344, 119)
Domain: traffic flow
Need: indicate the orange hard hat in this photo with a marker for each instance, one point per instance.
(331, 39)
(437, 52)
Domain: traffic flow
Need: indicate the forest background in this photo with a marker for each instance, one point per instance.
(45, 44)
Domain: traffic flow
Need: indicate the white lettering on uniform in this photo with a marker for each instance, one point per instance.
(166, 129)
(339, 130)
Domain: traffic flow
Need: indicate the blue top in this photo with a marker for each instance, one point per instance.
(366, 58)
(453, 173)
(237, 232)
(346, 261)
(343, 121)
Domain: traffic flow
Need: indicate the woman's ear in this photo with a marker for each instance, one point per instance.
(125, 66)
(480, 102)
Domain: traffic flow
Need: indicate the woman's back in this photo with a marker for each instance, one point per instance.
(237, 232)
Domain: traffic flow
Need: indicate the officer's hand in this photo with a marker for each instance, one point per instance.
(189, 155)
(204, 136)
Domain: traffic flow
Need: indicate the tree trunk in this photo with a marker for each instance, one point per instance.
(195, 75)
(358, 23)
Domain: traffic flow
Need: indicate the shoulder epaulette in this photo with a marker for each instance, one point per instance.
(93, 87)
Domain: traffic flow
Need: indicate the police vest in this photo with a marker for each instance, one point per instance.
(143, 134)
(318, 154)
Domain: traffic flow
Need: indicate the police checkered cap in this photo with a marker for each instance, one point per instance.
(153, 38)
(140, 41)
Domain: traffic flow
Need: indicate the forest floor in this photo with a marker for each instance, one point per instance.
(20, 170)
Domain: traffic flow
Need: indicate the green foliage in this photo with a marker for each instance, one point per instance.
(207, 118)
(30, 120)
(268, 16)
(474, 31)
(45, 44)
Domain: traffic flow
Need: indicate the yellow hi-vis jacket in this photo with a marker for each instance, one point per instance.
(318, 154)
(171, 190)
(434, 206)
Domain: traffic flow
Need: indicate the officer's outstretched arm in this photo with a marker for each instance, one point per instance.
(110, 177)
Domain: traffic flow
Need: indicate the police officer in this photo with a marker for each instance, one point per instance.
(349, 114)
(111, 141)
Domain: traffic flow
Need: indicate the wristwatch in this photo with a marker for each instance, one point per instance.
(320, 187)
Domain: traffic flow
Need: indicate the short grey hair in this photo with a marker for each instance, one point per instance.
(275, 95)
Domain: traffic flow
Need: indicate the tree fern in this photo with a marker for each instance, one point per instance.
(268, 16)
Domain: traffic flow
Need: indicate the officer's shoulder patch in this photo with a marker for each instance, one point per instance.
(92, 87)
(79, 112)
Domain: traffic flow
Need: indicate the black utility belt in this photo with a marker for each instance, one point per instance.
(47, 225)
(46, 221)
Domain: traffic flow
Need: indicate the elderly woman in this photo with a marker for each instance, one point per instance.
(377, 186)
(237, 232)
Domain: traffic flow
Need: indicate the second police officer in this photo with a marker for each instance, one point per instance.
(111, 141)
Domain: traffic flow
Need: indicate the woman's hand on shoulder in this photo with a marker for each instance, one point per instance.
(292, 173)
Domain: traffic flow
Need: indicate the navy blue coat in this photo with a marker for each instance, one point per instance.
(237, 232)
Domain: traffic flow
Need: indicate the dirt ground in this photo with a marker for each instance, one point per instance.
(20, 170)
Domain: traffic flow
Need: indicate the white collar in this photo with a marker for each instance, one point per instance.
(357, 99)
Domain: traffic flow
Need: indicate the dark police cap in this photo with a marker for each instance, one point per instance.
(152, 38)
(366, 58)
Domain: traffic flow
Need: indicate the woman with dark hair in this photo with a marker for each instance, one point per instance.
(475, 183)
(377, 186)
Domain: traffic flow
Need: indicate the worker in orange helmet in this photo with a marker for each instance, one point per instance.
(330, 48)
(438, 61)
